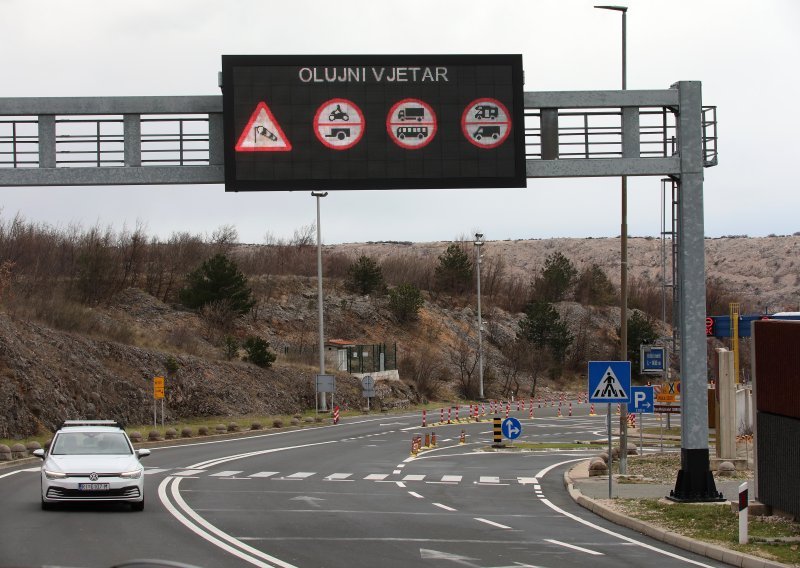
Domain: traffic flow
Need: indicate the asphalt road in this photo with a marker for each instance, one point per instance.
(340, 496)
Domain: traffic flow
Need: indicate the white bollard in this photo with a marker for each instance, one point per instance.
(743, 513)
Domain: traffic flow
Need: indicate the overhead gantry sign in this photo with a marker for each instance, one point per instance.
(394, 122)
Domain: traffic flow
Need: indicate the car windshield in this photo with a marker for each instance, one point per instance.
(91, 443)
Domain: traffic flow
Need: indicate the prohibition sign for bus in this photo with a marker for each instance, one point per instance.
(486, 123)
(339, 124)
(411, 124)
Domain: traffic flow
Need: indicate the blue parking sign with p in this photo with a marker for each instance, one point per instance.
(641, 400)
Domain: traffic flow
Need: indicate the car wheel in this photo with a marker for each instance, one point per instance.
(47, 506)
(137, 505)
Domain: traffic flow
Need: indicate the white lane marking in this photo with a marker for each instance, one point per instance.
(224, 474)
(397, 472)
(417, 495)
(492, 523)
(489, 479)
(162, 493)
(451, 478)
(218, 461)
(445, 507)
(338, 476)
(265, 474)
(9, 473)
(413, 478)
(155, 470)
(300, 475)
(528, 481)
(187, 472)
(376, 476)
(33, 469)
(400, 484)
(607, 531)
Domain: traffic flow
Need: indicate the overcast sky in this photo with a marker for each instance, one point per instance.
(744, 52)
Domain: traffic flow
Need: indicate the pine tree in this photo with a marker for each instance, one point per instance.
(454, 272)
(218, 279)
(365, 276)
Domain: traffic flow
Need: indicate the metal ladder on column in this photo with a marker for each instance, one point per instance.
(671, 282)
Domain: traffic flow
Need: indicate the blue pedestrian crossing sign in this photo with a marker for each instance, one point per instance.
(511, 428)
(609, 381)
(641, 400)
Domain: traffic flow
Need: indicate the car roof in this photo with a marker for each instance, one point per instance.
(90, 426)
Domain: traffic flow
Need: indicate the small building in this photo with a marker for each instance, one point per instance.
(345, 355)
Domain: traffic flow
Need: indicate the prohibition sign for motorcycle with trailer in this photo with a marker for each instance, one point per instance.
(339, 124)
(486, 123)
(411, 124)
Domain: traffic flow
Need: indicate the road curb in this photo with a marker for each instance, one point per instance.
(706, 549)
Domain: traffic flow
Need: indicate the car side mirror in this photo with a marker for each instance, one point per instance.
(143, 453)
(38, 453)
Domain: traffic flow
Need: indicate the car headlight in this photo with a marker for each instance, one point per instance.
(54, 474)
(135, 474)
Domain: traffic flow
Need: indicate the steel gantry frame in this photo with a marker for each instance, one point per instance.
(179, 140)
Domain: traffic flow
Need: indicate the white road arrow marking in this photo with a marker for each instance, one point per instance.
(312, 501)
(428, 554)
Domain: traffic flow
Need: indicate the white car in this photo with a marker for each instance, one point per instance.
(92, 460)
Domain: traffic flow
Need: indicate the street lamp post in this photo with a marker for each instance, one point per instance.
(323, 403)
(623, 280)
(479, 240)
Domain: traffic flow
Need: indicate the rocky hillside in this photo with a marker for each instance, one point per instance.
(105, 367)
(762, 271)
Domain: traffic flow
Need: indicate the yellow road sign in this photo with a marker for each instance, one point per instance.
(158, 387)
(669, 392)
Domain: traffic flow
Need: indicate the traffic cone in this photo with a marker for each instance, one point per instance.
(591, 410)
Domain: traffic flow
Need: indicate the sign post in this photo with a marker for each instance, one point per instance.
(324, 383)
(641, 402)
(158, 393)
(609, 382)
(368, 388)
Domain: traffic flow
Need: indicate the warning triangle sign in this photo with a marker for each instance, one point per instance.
(263, 133)
(609, 387)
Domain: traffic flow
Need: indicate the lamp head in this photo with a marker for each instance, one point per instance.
(615, 8)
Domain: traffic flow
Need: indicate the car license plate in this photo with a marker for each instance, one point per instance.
(93, 486)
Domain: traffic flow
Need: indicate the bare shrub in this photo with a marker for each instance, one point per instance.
(645, 295)
(409, 268)
(423, 369)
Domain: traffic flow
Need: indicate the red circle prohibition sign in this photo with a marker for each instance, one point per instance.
(339, 124)
(486, 123)
(411, 124)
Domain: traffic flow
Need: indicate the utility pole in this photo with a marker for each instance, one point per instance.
(479, 240)
(623, 280)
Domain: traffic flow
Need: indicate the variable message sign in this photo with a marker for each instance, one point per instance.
(372, 122)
